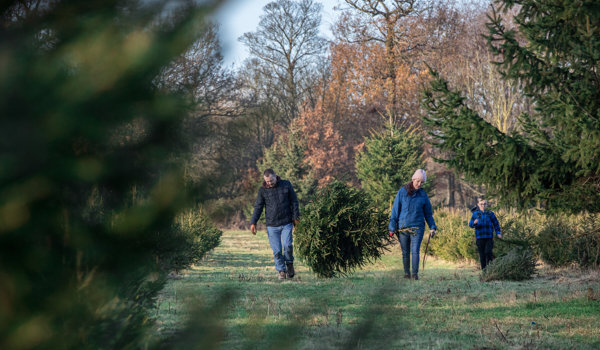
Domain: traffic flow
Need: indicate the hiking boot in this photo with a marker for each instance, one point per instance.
(407, 276)
(290, 270)
(281, 275)
(415, 277)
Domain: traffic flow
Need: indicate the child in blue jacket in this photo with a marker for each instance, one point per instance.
(485, 223)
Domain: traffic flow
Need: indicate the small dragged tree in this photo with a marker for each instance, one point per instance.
(517, 265)
(341, 230)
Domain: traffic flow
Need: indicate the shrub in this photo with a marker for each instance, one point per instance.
(195, 236)
(559, 241)
(555, 243)
(516, 231)
(572, 239)
(455, 240)
(587, 243)
(340, 230)
(517, 265)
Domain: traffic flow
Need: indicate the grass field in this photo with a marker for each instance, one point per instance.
(236, 302)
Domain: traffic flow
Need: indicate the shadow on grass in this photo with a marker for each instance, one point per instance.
(269, 319)
(319, 323)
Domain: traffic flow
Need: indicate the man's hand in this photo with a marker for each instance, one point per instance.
(499, 235)
(253, 229)
(432, 233)
(475, 222)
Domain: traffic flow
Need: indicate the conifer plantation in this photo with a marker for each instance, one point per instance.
(132, 154)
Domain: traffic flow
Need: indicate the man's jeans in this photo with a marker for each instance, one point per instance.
(281, 236)
(411, 244)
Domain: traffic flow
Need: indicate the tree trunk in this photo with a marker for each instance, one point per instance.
(451, 189)
(391, 66)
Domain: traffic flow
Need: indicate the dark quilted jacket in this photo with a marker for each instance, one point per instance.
(280, 203)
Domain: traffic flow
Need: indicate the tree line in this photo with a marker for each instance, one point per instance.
(503, 102)
(308, 107)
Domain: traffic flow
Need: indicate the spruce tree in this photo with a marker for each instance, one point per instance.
(287, 158)
(341, 230)
(518, 264)
(552, 159)
(388, 161)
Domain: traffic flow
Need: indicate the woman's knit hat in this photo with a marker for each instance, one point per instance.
(420, 174)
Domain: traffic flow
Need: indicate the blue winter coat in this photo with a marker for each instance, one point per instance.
(411, 211)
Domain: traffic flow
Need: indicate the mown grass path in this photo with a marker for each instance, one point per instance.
(375, 308)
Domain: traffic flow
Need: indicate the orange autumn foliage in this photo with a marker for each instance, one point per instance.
(356, 96)
(354, 105)
(327, 153)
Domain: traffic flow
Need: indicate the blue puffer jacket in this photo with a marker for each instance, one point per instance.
(411, 211)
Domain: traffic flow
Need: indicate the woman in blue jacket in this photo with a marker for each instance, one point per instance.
(410, 211)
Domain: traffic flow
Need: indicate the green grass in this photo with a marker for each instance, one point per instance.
(375, 308)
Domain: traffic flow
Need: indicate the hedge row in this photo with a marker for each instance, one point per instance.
(557, 240)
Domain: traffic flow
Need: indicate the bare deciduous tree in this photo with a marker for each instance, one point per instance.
(287, 42)
(385, 27)
(212, 91)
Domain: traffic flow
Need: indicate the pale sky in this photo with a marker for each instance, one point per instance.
(236, 17)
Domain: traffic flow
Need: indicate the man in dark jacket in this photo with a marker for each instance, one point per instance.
(278, 198)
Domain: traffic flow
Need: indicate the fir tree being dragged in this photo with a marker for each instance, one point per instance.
(517, 265)
(340, 230)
